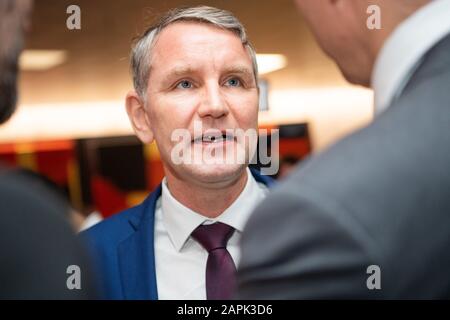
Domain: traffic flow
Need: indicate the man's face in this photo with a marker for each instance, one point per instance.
(340, 29)
(13, 20)
(201, 74)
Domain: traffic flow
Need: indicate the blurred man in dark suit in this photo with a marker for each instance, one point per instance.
(38, 250)
(370, 216)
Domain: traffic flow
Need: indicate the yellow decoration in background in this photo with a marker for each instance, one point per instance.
(73, 178)
(136, 197)
(26, 157)
(151, 152)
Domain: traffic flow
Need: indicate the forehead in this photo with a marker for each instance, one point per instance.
(197, 44)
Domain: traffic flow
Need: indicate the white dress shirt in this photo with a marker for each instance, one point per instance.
(403, 51)
(181, 261)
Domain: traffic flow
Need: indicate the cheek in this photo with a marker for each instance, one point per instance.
(245, 109)
(170, 113)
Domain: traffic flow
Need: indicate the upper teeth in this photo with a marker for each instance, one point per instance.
(212, 138)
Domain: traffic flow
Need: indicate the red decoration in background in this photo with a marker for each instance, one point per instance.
(108, 199)
(155, 173)
(9, 158)
(299, 147)
(53, 164)
(51, 158)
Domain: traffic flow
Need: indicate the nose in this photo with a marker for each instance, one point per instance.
(213, 103)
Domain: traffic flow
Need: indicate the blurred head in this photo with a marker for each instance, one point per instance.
(340, 27)
(14, 15)
(195, 66)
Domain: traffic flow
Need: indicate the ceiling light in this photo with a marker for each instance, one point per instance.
(41, 60)
(270, 62)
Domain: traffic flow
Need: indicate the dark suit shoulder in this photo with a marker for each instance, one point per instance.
(386, 187)
(379, 196)
(37, 244)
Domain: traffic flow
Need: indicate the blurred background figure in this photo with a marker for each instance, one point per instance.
(78, 220)
(37, 244)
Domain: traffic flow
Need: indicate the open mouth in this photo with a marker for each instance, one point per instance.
(212, 138)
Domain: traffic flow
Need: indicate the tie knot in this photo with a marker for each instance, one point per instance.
(213, 236)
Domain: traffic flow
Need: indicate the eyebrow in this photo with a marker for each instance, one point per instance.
(183, 70)
(239, 70)
(180, 71)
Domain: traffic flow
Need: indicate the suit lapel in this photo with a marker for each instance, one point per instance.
(137, 255)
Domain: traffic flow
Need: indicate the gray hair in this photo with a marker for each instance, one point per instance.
(141, 51)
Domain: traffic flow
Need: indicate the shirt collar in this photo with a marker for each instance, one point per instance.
(402, 52)
(180, 221)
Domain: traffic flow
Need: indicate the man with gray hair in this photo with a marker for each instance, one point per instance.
(194, 73)
(369, 217)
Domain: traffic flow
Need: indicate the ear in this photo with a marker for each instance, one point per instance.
(139, 117)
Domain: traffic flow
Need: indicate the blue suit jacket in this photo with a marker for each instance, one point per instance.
(122, 250)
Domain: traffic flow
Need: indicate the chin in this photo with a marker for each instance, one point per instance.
(215, 173)
(356, 80)
(355, 75)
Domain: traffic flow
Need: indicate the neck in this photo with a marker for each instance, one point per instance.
(207, 199)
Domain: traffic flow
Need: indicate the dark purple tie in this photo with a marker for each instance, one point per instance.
(220, 268)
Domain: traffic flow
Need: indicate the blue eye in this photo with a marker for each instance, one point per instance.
(184, 85)
(233, 82)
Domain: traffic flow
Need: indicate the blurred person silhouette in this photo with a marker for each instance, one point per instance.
(77, 219)
(37, 244)
(370, 216)
(195, 65)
